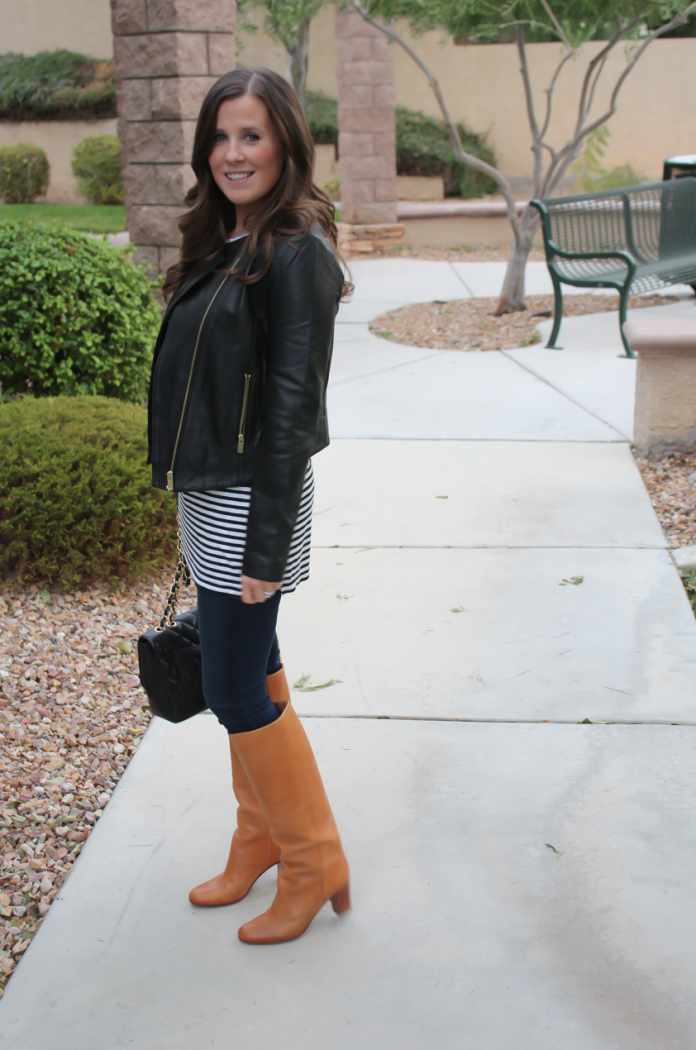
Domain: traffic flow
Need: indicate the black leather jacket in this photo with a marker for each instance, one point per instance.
(238, 387)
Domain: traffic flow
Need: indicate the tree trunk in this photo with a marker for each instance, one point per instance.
(297, 62)
(512, 293)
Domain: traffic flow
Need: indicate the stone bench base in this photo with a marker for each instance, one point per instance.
(665, 406)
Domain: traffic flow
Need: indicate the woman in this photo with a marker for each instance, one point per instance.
(236, 410)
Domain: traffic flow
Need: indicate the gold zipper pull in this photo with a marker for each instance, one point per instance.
(240, 443)
(170, 481)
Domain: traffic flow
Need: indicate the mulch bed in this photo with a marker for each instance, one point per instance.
(470, 324)
(671, 485)
(71, 717)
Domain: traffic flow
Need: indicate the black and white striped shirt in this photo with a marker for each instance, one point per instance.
(213, 528)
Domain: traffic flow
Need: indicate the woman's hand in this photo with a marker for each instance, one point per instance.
(257, 590)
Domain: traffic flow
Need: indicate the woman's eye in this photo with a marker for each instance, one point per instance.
(220, 136)
(253, 137)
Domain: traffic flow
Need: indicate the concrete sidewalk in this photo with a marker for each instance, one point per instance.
(517, 885)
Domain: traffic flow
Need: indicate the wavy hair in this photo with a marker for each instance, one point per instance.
(294, 205)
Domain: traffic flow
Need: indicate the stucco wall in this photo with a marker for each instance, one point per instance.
(29, 26)
(483, 87)
(481, 84)
(58, 138)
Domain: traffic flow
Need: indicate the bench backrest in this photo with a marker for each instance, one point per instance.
(653, 222)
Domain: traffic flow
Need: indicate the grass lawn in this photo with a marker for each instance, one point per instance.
(93, 218)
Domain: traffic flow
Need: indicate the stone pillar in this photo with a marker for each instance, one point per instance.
(665, 407)
(366, 137)
(168, 53)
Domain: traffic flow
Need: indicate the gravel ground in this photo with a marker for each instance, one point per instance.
(472, 254)
(469, 324)
(671, 484)
(71, 717)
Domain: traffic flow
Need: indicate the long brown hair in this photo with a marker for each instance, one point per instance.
(295, 204)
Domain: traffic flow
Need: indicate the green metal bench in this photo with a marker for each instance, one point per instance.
(636, 239)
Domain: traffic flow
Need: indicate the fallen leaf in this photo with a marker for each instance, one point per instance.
(324, 685)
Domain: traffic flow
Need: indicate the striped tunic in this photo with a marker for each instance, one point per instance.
(213, 528)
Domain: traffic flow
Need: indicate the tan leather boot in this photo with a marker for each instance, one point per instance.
(252, 851)
(280, 764)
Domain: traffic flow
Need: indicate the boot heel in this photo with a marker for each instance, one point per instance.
(340, 901)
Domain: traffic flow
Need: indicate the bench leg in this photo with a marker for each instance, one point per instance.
(557, 314)
(623, 315)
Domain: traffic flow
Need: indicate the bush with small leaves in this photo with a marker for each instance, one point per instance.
(96, 164)
(423, 147)
(76, 501)
(56, 85)
(24, 173)
(76, 315)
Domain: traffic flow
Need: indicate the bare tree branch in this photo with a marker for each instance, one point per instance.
(582, 105)
(559, 28)
(459, 152)
(549, 93)
(598, 73)
(531, 114)
(583, 132)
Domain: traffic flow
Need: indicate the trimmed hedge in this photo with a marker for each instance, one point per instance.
(56, 85)
(422, 146)
(24, 173)
(96, 164)
(322, 116)
(76, 315)
(76, 500)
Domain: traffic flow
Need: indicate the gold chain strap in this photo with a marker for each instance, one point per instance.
(181, 576)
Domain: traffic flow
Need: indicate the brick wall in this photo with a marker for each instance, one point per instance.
(367, 134)
(168, 54)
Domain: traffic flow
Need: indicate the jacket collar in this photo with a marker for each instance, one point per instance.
(195, 278)
(226, 257)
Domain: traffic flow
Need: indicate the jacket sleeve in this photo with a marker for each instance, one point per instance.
(300, 300)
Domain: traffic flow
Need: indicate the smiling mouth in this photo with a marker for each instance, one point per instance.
(238, 176)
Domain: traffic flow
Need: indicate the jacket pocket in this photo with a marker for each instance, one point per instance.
(243, 418)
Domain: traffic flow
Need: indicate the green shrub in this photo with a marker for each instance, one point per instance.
(24, 173)
(76, 315)
(76, 500)
(689, 581)
(593, 176)
(322, 116)
(422, 146)
(55, 85)
(96, 164)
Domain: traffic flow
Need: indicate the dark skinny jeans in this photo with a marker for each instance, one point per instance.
(239, 647)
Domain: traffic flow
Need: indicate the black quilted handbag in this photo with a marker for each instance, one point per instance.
(169, 656)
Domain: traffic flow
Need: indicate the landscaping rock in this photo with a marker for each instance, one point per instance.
(72, 714)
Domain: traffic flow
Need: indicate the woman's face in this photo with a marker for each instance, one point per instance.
(247, 158)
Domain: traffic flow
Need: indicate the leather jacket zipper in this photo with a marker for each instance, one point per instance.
(242, 421)
(170, 472)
